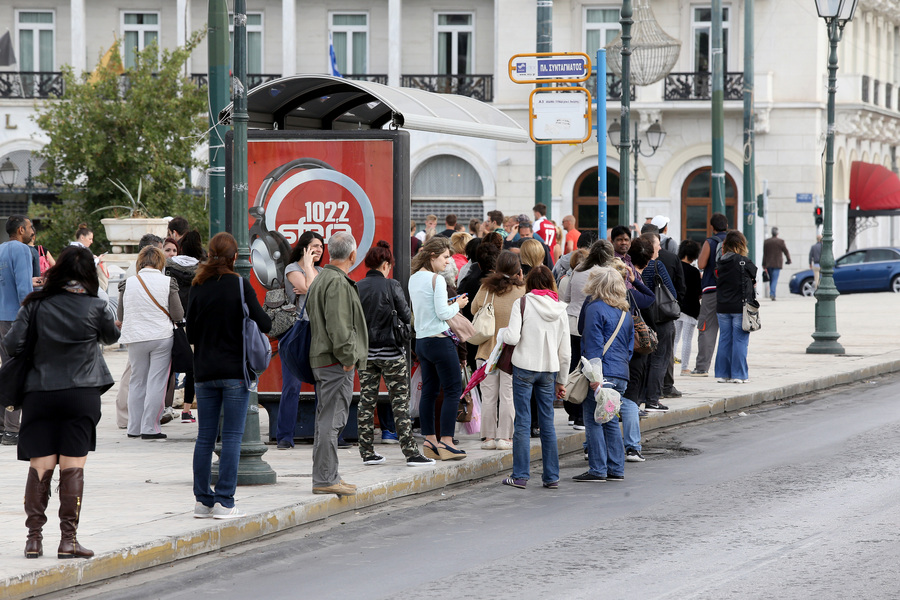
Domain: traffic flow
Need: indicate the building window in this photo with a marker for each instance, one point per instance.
(701, 38)
(254, 41)
(454, 54)
(584, 200)
(601, 26)
(350, 36)
(696, 205)
(446, 176)
(35, 31)
(139, 30)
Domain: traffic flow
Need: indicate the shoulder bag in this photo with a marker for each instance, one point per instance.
(645, 339)
(402, 331)
(15, 369)
(750, 310)
(459, 325)
(257, 348)
(578, 385)
(504, 363)
(484, 322)
(293, 348)
(666, 306)
(283, 313)
(182, 355)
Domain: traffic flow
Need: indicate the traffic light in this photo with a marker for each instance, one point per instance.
(819, 214)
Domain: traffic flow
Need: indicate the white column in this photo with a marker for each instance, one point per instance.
(288, 37)
(394, 42)
(79, 38)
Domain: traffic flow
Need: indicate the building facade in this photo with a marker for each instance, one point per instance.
(464, 47)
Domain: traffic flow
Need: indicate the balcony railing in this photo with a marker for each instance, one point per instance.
(31, 84)
(613, 87)
(480, 87)
(382, 79)
(254, 79)
(698, 86)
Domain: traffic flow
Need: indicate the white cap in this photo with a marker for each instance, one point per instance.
(660, 221)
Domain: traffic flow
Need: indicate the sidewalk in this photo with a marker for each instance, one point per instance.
(138, 501)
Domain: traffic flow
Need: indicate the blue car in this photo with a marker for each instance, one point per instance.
(869, 270)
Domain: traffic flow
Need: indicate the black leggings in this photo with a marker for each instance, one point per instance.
(440, 369)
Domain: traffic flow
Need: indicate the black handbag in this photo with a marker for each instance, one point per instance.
(666, 306)
(402, 333)
(14, 370)
(182, 355)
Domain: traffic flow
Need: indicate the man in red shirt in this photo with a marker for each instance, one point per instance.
(572, 234)
(543, 226)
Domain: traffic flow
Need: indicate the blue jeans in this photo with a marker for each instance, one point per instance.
(773, 281)
(439, 362)
(288, 407)
(731, 357)
(228, 397)
(606, 454)
(543, 384)
(628, 414)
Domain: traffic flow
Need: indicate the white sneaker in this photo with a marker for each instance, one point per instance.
(740, 381)
(724, 380)
(504, 445)
(201, 511)
(220, 512)
(489, 445)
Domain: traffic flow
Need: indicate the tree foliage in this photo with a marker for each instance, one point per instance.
(139, 128)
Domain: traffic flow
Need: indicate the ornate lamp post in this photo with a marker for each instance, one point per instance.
(642, 54)
(655, 136)
(837, 13)
(9, 172)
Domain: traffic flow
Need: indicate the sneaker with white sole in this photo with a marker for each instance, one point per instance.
(504, 445)
(740, 381)
(724, 380)
(201, 511)
(221, 512)
(489, 445)
(373, 459)
(419, 461)
(634, 455)
(389, 437)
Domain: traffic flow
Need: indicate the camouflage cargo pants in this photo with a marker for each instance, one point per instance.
(396, 378)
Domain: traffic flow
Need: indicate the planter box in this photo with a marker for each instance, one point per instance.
(123, 233)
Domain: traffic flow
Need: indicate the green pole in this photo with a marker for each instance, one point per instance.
(718, 112)
(217, 55)
(543, 166)
(252, 469)
(624, 143)
(826, 334)
(749, 135)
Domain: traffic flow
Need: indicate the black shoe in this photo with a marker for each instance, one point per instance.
(673, 393)
(642, 414)
(343, 444)
(588, 477)
(655, 407)
(419, 461)
(535, 432)
(134, 437)
(634, 455)
(10, 439)
(615, 478)
(284, 445)
(153, 437)
(373, 459)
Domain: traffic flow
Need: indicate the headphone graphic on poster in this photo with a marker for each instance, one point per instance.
(269, 248)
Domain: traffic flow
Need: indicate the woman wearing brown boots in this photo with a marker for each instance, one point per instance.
(61, 406)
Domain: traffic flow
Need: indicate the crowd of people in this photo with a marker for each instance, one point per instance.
(555, 295)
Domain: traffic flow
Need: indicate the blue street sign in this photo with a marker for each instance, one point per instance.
(805, 198)
(561, 67)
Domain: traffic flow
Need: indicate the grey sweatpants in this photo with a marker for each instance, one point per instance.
(334, 388)
(147, 389)
(708, 331)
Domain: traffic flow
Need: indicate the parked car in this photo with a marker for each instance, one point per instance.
(868, 270)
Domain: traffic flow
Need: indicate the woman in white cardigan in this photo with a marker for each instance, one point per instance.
(540, 333)
(148, 307)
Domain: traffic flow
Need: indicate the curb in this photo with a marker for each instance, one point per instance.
(69, 574)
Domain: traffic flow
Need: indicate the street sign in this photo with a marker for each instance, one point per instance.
(550, 67)
(804, 197)
(559, 115)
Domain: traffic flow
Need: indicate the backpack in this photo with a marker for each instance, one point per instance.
(257, 348)
(293, 348)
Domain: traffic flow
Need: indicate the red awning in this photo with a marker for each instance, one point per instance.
(873, 187)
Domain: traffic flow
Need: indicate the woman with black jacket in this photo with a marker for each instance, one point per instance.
(61, 406)
(735, 284)
(382, 298)
(215, 319)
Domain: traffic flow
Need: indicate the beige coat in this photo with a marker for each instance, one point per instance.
(502, 306)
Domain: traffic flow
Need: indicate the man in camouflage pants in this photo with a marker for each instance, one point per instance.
(396, 378)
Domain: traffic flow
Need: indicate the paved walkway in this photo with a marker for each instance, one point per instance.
(138, 500)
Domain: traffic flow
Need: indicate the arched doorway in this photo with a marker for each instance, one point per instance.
(696, 204)
(584, 199)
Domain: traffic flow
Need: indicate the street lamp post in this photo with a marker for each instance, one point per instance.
(655, 136)
(837, 13)
(9, 172)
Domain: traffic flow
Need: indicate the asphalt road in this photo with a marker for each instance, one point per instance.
(790, 501)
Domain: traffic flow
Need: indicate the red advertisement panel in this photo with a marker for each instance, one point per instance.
(325, 186)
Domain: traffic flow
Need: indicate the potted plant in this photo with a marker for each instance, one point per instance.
(124, 232)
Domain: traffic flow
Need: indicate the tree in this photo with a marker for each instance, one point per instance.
(141, 127)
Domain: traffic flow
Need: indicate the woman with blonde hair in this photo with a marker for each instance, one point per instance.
(735, 284)
(458, 243)
(436, 347)
(608, 334)
(500, 289)
(532, 254)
